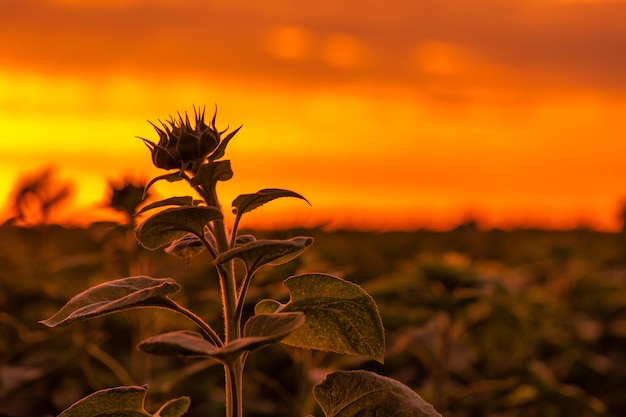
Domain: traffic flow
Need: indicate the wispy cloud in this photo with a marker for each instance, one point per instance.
(563, 43)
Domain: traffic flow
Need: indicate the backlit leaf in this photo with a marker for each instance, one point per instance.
(258, 253)
(268, 306)
(340, 316)
(119, 402)
(209, 174)
(123, 402)
(248, 202)
(365, 394)
(243, 239)
(170, 177)
(179, 343)
(172, 201)
(171, 224)
(273, 327)
(113, 296)
(186, 247)
(260, 330)
(174, 408)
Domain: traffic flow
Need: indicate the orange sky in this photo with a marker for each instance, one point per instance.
(393, 114)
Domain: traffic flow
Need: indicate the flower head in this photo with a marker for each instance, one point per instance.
(126, 195)
(182, 145)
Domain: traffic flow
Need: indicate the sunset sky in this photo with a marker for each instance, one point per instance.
(394, 114)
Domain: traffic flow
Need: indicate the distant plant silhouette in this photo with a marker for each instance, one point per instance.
(37, 195)
(324, 312)
(126, 195)
(622, 216)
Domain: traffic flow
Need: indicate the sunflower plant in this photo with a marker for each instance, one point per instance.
(323, 312)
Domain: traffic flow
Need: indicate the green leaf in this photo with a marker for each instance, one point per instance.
(123, 402)
(243, 239)
(258, 253)
(174, 408)
(171, 177)
(364, 394)
(248, 202)
(118, 402)
(221, 149)
(340, 316)
(113, 296)
(273, 327)
(268, 306)
(260, 330)
(186, 247)
(179, 343)
(209, 174)
(172, 201)
(171, 224)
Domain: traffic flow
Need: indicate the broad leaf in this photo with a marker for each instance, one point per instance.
(364, 394)
(171, 224)
(119, 402)
(179, 343)
(174, 408)
(186, 247)
(259, 331)
(209, 174)
(268, 307)
(248, 202)
(123, 402)
(243, 239)
(273, 327)
(172, 201)
(171, 177)
(258, 253)
(340, 316)
(112, 296)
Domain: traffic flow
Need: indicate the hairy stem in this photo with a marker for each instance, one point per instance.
(233, 371)
(234, 394)
(226, 272)
(208, 246)
(233, 237)
(242, 295)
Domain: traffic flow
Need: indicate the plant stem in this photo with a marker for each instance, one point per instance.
(225, 271)
(233, 237)
(233, 371)
(242, 295)
(234, 393)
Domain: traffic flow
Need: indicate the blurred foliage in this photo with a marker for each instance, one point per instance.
(37, 195)
(481, 323)
(126, 195)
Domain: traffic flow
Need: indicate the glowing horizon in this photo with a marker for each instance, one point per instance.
(377, 121)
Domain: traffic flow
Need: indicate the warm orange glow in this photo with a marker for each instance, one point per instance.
(380, 121)
(289, 42)
(439, 58)
(343, 50)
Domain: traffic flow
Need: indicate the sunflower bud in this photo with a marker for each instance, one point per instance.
(126, 195)
(181, 145)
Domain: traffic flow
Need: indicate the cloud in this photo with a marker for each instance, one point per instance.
(563, 44)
